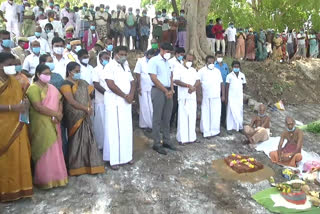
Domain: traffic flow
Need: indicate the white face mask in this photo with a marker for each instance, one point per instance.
(188, 64)
(211, 66)
(167, 56)
(85, 61)
(58, 50)
(78, 48)
(9, 70)
(219, 59)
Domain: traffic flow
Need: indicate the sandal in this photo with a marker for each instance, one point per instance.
(115, 167)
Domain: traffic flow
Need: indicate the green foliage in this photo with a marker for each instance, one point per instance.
(313, 127)
(160, 4)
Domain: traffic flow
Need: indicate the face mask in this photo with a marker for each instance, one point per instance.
(291, 130)
(261, 115)
(58, 50)
(50, 65)
(231, 26)
(167, 56)
(18, 68)
(105, 62)
(27, 8)
(211, 66)
(130, 12)
(51, 19)
(51, 3)
(220, 22)
(45, 78)
(118, 10)
(67, 8)
(9, 70)
(10, 2)
(144, 14)
(182, 14)
(37, 34)
(122, 60)
(76, 76)
(188, 64)
(92, 27)
(40, 12)
(36, 50)
(110, 48)
(68, 46)
(219, 59)
(84, 8)
(85, 61)
(154, 46)
(180, 58)
(78, 48)
(107, 10)
(6, 43)
(164, 15)
(48, 31)
(101, 9)
(26, 45)
(236, 70)
(25, 2)
(69, 35)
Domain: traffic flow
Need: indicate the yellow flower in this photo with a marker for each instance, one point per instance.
(251, 166)
(233, 155)
(239, 156)
(251, 159)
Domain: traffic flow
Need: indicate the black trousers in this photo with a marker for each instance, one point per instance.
(174, 115)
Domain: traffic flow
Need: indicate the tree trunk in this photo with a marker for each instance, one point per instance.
(174, 5)
(196, 15)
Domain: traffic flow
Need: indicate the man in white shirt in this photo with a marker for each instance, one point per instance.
(59, 60)
(174, 61)
(100, 86)
(187, 80)
(36, 9)
(213, 93)
(235, 83)
(144, 86)
(57, 26)
(31, 61)
(101, 18)
(231, 33)
(11, 17)
(86, 70)
(118, 146)
(44, 45)
(301, 49)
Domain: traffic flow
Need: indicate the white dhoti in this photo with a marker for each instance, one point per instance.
(99, 124)
(235, 114)
(210, 116)
(12, 26)
(269, 47)
(146, 110)
(118, 142)
(187, 117)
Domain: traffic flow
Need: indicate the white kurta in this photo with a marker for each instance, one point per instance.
(146, 108)
(118, 142)
(187, 110)
(211, 101)
(235, 101)
(86, 73)
(99, 109)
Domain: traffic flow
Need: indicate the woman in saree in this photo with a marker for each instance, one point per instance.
(46, 144)
(15, 169)
(250, 46)
(277, 53)
(241, 45)
(313, 44)
(261, 43)
(28, 21)
(83, 153)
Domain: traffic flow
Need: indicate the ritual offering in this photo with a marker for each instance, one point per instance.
(243, 164)
(292, 192)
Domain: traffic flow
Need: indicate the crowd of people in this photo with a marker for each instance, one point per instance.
(66, 103)
(248, 44)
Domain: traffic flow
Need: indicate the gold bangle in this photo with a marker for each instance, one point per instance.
(9, 108)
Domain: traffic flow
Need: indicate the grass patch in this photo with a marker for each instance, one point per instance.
(313, 127)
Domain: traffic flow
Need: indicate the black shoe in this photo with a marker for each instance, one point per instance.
(159, 149)
(169, 146)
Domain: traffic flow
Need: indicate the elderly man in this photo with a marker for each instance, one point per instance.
(161, 94)
(290, 154)
(44, 45)
(9, 12)
(259, 128)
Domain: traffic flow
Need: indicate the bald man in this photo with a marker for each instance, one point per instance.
(290, 154)
(259, 128)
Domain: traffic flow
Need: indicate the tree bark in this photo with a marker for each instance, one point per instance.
(174, 5)
(196, 14)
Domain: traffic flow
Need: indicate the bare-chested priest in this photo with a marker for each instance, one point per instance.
(259, 129)
(290, 154)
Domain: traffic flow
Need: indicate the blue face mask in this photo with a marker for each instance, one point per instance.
(107, 10)
(68, 46)
(105, 62)
(236, 70)
(37, 34)
(291, 130)
(7, 43)
(51, 4)
(110, 48)
(182, 14)
(180, 58)
(76, 76)
(36, 50)
(84, 8)
(50, 65)
(92, 27)
(48, 30)
(18, 68)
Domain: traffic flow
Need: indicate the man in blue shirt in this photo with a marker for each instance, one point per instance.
(224, 70)
(161, 95)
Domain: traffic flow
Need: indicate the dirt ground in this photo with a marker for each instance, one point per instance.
(180, 182)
